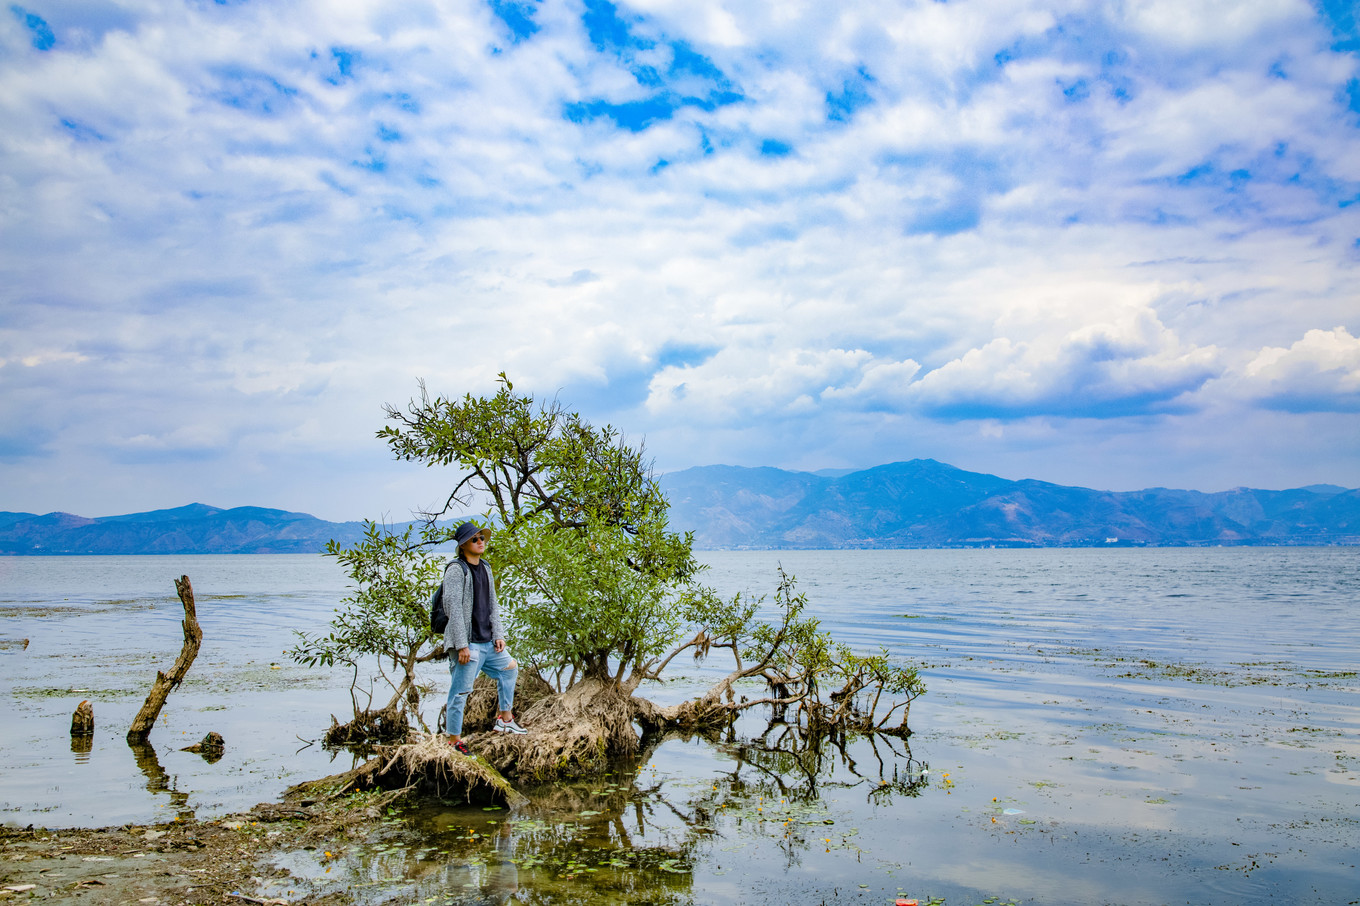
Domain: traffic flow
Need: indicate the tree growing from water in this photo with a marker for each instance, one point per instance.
(595, 583)
(599, 594)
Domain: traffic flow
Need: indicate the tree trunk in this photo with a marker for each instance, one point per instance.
(193, 637)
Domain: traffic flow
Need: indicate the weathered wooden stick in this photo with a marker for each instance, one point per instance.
(193, 637)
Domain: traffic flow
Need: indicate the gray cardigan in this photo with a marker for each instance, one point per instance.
(458, 605)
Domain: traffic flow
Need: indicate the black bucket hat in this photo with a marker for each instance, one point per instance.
(465, 531)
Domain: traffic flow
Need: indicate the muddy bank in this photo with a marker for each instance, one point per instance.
(225, 860)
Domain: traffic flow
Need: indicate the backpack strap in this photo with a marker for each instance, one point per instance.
(448, 566)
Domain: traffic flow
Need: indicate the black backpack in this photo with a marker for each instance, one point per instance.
(439, 618)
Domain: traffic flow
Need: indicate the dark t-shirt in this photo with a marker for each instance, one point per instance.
(481, 604)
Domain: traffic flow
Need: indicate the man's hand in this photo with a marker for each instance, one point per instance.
(464, 655)
(500, 645)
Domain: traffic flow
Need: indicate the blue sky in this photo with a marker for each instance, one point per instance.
(1114, 245)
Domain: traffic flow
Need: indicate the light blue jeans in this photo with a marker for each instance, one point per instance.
(483, 658)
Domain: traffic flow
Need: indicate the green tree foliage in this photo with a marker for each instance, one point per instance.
(595, 583)
(385, 619)
(825, 684)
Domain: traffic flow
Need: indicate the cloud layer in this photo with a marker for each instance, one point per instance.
(1105, 244)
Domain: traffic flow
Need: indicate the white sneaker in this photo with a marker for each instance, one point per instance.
(508, 726)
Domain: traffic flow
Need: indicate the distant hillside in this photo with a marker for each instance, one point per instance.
(924, 503)
(192, 529)
(921, 503)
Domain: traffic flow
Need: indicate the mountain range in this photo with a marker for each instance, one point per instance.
(193, 529)
(924, 503)
(921, 503)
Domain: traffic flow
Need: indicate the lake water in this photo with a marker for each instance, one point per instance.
(1102, 726)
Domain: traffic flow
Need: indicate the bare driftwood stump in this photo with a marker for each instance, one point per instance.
(82, 721)
(193, 638)
(211, 747)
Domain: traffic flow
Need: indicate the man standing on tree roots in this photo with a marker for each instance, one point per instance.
(474, 636)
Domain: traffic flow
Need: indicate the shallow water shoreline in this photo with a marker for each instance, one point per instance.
(1090, 713)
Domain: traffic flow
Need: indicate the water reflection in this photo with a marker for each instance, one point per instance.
(640, 834)
(469, 866)
(81, 745)
(793, 761)
(157, 780)
(211, 756)
(497, 879)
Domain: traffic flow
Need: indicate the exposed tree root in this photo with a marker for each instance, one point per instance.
(387, 725)
(694, 716)
(429, 766)
(574, 734)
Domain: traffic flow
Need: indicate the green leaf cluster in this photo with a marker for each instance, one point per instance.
(385, 617)
(386, 613)
(823, 681)
(591, 579)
